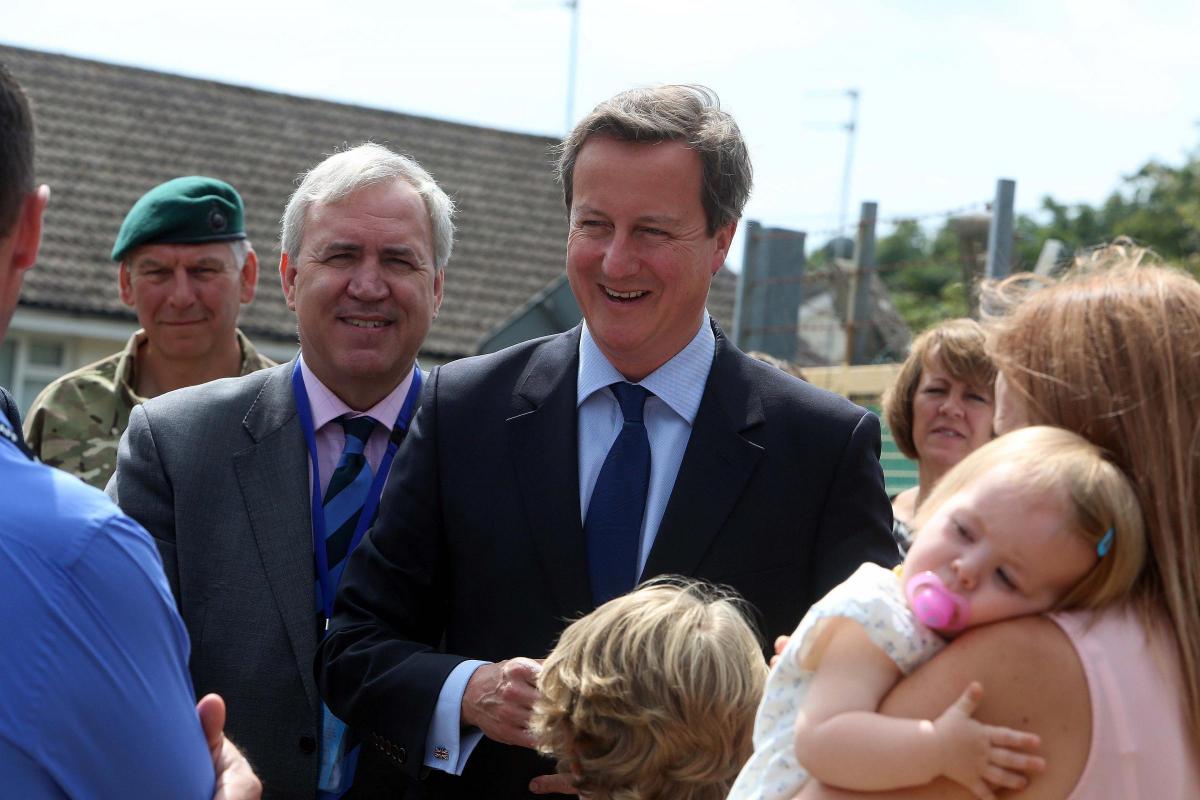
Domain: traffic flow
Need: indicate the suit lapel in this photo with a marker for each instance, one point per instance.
(273, 474)
(542, 439)
(716, 465)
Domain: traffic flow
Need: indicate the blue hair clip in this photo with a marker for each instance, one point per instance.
(1105, 544)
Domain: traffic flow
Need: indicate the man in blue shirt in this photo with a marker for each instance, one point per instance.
(542, 480)
(97, 701)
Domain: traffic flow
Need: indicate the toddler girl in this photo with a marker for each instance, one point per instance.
(1032, 521)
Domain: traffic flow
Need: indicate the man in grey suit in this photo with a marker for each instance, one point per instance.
(238, 478)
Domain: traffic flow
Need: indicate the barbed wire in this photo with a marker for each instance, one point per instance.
(831, 272)
(958, 211)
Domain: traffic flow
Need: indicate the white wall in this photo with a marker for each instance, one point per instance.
(42, 345)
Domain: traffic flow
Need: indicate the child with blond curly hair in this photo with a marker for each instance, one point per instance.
(652, 695)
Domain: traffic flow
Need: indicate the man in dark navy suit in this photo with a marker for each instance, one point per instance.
(539, 481)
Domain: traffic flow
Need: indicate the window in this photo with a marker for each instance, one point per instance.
(45, 354)
(29, 363)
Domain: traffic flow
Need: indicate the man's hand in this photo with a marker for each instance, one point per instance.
(983, 757)
(499, 700)
(235, 779)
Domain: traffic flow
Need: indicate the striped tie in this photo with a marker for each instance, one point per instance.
(347, 492)
(348, 489)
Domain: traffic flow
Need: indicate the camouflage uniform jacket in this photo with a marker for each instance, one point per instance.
(77, 421)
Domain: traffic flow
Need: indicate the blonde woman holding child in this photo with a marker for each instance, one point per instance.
(1113, 353)
(1035, 521)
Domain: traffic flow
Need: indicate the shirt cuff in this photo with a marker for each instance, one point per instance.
(448, 744)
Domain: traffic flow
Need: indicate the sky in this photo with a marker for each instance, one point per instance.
(1064, 96)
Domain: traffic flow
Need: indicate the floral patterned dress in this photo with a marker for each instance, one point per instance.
(873, 597)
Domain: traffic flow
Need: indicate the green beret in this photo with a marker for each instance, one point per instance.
(187, 210)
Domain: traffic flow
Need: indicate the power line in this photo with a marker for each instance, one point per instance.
(949, 213)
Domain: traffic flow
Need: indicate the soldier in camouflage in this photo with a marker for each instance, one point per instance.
(77, 421)
(186, 268)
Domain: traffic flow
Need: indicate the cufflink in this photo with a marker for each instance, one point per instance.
(441, 753)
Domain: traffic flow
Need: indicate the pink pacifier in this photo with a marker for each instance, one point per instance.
(935, 605)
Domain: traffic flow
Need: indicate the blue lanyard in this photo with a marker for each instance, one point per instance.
(304, 408)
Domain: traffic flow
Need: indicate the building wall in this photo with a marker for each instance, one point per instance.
(41, 346)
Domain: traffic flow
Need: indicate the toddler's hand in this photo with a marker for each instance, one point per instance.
(780, 643)
(983, 757)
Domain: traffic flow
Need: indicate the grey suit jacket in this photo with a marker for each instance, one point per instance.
(218, 474)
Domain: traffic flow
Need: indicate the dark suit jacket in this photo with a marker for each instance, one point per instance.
(218, 474)
(479, 551)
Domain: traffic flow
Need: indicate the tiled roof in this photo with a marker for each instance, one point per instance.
(108, 133)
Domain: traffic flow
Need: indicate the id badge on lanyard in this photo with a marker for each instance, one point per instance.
(399, 429)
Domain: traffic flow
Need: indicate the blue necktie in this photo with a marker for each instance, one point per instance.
(344, 499)
(613, 527)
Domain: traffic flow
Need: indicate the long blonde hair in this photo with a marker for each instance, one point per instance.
(1112, 352)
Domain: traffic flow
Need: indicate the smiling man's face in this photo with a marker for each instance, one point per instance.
(639, 255)
(187, 296)
(365, 289)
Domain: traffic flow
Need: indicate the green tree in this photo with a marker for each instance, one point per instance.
(923, 275)
(1158, 206)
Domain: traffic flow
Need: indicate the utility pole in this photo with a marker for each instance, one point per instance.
(972, 233)
(851, 130)
(858, 296)
(572, 63)
(1053, 251)
(1000, 232)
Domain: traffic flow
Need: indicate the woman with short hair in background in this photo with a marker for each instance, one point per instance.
(939, 409)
